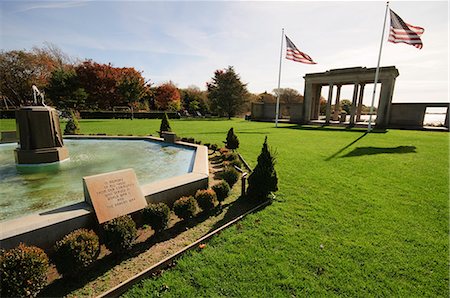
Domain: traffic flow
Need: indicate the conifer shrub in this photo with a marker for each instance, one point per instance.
(157, 216)
(222, 189)
(185, 207)
(76, 251)
(23, 271)
(119, 234)
(230, 175)
(72, 126)
(165, 125)
(206, 199)
(263, 180)
(232, 141)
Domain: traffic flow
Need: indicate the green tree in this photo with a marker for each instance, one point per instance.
(263, 180)
(232, 141)
(288, 95)
(346, 105)
(226, 92)
(64, 90)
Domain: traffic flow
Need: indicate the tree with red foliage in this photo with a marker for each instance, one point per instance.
(109, 86)
(167, 97)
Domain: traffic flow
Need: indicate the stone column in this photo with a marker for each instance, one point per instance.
(446, 118)
(336, 104)
(315, 110)
(387, 88)
(360, 102)
(307, 103)
(353, 107)
(330, 98)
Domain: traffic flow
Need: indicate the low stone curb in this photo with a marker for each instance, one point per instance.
(124, 286)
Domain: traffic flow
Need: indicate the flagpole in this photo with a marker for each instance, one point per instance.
(377, 72)
(277, 109)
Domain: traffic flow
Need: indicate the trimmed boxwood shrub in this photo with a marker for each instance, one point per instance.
(213, 147)
(206, 199)
(157, 216)
(23, 271)
(76, 251)
(230, 175)
(233, 163)
(185, 207)
(230, 156)
(119, 234)
(222, 190)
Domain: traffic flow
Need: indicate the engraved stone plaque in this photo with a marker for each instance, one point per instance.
(114, 194)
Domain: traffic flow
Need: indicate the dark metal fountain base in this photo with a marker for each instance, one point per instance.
(43, 155)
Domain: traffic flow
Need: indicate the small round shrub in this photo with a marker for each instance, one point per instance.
(222, 190)
(185, 207)
(72, 125)
(230, 156)
(119, 234)
(157, 216)
(230, 175)
(206, 199)
(76, 251)
(23, 271)
(236, 163)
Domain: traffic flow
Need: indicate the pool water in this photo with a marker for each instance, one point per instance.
(36, 188)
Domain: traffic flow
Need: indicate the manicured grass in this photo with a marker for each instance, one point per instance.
(356, 215)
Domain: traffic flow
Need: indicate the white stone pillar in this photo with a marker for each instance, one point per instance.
(360, 102)
(330, 98)
(353, 107)
(336, 103)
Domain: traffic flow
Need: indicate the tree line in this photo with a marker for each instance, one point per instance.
(71, 84)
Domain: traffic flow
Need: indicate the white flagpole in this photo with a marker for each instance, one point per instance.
(277, 109)
(377, 72)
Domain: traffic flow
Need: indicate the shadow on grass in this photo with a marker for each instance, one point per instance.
(342, 149)
(235, 209)
(333, 128)
(359, 151)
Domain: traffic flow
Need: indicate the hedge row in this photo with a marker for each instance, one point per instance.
(79, 249)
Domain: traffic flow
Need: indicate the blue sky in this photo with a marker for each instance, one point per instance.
(187, 41)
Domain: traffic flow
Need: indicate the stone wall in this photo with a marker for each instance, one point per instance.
(411, 115)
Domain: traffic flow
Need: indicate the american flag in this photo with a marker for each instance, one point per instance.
(403, 32)
(292, 53)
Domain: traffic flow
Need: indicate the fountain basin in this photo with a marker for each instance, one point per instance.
(46, 227)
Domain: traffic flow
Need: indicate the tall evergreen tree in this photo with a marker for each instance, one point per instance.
(232, 141)
(226, 92)
(165, 125)
(263, 180)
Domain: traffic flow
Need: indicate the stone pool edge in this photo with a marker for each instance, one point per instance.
(45, 228)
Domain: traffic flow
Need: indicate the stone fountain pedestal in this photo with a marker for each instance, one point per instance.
(40, 138)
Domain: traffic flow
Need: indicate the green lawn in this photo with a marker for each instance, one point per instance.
(376, 203)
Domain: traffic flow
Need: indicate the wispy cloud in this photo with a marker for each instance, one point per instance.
(50, 5)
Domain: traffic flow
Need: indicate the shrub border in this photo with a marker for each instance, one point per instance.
(127, 284)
